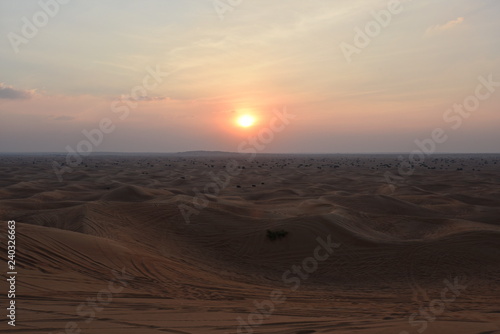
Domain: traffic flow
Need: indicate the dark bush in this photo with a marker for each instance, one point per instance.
(278, 234)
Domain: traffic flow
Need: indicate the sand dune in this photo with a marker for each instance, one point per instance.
(394, 248)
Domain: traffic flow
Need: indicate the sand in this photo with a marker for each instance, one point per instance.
(109, 249)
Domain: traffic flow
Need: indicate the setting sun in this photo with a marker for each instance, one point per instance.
(246, 121)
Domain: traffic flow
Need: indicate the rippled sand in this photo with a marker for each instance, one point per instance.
(179, 244)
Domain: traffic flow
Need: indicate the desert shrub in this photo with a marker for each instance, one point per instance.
(278, 234)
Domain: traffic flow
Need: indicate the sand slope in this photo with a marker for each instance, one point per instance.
(394, 247)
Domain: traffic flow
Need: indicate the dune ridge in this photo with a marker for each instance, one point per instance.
(122, 213)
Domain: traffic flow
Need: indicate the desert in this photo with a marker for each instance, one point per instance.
(289, 244)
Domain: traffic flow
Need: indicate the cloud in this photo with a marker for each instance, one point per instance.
(142, 98)
(443, 27)
(7, 92)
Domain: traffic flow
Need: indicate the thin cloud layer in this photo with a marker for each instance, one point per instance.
(447, 26)
(8, 92)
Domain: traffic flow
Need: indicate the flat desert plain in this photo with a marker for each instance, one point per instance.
(221, 243)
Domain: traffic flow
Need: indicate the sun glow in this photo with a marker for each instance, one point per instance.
(246, 121)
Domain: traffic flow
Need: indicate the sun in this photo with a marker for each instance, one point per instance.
(246, 121)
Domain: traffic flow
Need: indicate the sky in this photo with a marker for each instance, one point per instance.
(318, 76)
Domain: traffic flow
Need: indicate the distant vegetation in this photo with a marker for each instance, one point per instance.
(273, 235)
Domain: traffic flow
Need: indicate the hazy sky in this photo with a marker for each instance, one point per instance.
(86, 59)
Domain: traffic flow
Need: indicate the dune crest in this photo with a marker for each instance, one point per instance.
(395, 249)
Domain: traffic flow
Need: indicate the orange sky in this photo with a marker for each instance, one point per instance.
(358, 76)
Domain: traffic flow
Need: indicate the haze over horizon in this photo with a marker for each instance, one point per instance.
(193, 74)
(210, 152)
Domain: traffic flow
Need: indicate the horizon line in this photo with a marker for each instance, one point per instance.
(230, 152)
